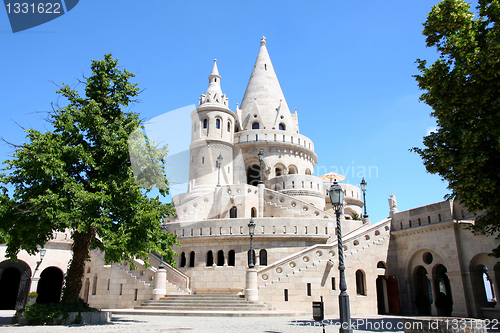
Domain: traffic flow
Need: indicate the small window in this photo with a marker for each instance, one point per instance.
(439, 217)
(380, 264)
(205, 123)
(220, 258)
(183, 259)
(217, 123)
(229, 126)
(191, 259)
(210, 258)
(282, 127)
(255, 126)
(253, 212)
(308, 289)
(277, 172)
(360, 282)
(333, 283)
(263, 257)
(231, 258)
(94, 285)
(286, 295)
(203, 160)
(233, 212)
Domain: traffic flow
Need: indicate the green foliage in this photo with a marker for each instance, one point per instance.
(43, 314)
(355, 216)
(462, 87)
(33, 294)
(79, 176)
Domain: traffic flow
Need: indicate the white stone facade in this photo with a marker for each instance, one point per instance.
(295, 242)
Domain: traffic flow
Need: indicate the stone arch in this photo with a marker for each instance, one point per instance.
(183, 259)
(231, 258)
(15, 281)
(308, 171)
(255, 125)
(192, 259)
(50, 285)
(422, 295)
(263, 257)
(253, 212)
(483, 266)
(210, 258)
(279, 169)
(360, 282)
(233, 212)
(442, 287)
(253, 174)
(220, 258)
(292, 170)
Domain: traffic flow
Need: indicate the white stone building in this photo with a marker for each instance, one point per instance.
(399, 265)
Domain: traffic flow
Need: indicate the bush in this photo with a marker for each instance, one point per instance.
(43, 314)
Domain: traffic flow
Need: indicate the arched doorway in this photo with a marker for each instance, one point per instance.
(15, 281)
(253, 174)
(50, 285)
(382, 304)
(423, 291)
(444, 300)
(393, 295)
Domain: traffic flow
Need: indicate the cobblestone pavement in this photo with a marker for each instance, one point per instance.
(149, 323)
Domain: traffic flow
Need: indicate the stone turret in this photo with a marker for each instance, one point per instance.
(212, 135)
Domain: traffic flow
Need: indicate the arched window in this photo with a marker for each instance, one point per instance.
(220, 258)
(277, 172)
(308, 171)
(231, 258)
(292, 170)
(183, 259)
(282, 127)
(380, 264)
(233, 212)
(191, 259)
(255, 126)
(229, 126)
(94, 285)
(263, 257)
(210, 258)
(248, 257)
(205, 123)
(217, 123)
(360, 282)
(253, 212)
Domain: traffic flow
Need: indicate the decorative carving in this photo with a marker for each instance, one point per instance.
(393, 204)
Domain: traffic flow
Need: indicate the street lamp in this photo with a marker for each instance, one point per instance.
(38, 263)
(218, 165)
(251, 231)
(337, 199)
(163, 228)
(363, 188)
(261, 158)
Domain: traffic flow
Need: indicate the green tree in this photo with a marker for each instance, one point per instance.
(79, 177)
(463, 88)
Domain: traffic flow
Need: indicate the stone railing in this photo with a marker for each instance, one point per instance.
(174, 276)
(293, 203)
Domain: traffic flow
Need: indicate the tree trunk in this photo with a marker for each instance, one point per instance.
(73, 285)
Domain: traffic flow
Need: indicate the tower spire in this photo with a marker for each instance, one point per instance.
(264, 93)
(214, 93)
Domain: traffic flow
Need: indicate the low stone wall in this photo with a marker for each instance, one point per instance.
(444, 325)
(87, 318)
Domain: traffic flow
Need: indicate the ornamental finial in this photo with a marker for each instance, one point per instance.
(263, 40)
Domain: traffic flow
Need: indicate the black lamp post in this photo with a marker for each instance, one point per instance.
(163, 228)
(363, 188)
(337, 199)
(38, 263)
(218, 165)
(251, 231)
(261, 158)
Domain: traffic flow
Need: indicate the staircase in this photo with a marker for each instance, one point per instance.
(205, 305)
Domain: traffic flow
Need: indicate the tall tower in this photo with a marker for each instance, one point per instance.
(212, 134)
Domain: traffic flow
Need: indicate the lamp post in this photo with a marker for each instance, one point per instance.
(337, 199)
(38, 263)
(251, 231)
(261, 158)
(363, 188)
(218, 164)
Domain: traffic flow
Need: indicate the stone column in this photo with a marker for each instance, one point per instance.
(260, 191)
(434, 294)
(495, 280)
(251, 288)
(160, 284)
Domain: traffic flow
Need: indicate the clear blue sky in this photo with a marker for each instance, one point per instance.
(346, 66)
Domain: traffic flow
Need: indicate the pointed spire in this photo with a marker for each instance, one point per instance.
(264, 91)
(214, 93)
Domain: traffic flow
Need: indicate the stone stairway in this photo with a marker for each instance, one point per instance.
(212, 305)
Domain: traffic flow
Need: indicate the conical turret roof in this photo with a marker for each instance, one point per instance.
(264, 99)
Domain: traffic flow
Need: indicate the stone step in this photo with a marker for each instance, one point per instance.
(255, 307)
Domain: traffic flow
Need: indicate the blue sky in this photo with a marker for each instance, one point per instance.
(346, 66)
